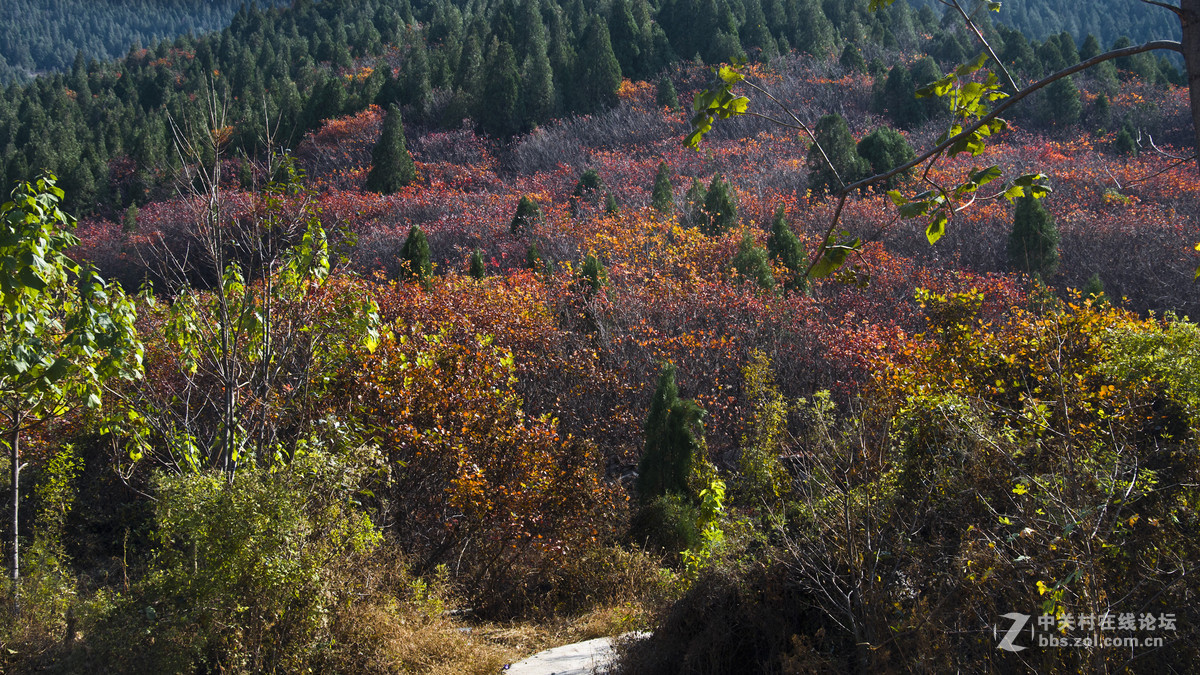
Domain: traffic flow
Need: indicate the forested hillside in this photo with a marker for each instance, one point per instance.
(1106, 19)
(45, 35)
(396, 336)
(106, 129)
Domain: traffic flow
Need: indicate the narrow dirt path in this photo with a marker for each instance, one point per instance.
(581, 658)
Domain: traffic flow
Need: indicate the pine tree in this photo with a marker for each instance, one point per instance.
(496, 109)
(1101, 115)
(1124, 144)
(1060, 104)
(527, 218)
(610, 205)
(588, 189)
(833, 135)
(663, 198)
(537, 87)
(750, 262)
(755, 34)
(598, 75)
(417, 88)
(885, 149)
(720, 210)
(852, 60)
(694, 202)
(533, 257)
(815, 33)
(1094, 288)
(674, 435)
(391, 166)
(899, 99)
(624, 34)
(593, 274)
(475, 267)
(414, 256)
(924, 72)
(1033, 244)
(667, 97)
(785, 247)
(130, 222)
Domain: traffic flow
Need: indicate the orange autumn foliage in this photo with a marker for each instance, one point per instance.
(476, 482)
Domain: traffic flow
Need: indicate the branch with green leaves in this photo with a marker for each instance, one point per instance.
(974, 120)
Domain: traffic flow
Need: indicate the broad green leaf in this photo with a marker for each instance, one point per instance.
(914, 209)
(971, 66)
(730, 76)
(834, 257)
(936, 227)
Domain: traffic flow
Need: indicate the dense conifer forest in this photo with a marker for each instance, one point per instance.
(376, 336)
(45, 35)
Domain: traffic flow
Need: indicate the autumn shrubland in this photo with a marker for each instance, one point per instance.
(336, 462)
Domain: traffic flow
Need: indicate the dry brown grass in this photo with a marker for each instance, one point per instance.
(375, 638)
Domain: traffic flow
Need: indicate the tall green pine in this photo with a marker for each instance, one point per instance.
(598, 74)
(1060, 104)
(663, 198)
(391, 166)
(666, 96)
(673, 436)
(785, 247)
(852, 60)
(538, 97)
(496, 109)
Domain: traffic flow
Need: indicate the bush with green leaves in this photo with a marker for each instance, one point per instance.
(762, 480)
(244, 574)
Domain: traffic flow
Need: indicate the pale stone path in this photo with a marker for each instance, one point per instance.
(581, 658)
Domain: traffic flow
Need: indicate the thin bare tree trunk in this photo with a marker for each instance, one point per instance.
(14, 450)
(1189, 20)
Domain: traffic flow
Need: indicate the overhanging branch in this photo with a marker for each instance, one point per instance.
(1171, 45)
